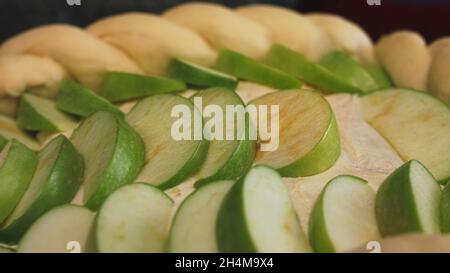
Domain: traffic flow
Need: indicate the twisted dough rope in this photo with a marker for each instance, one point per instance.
(144, 43)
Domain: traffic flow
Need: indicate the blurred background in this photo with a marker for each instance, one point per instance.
(429, 17)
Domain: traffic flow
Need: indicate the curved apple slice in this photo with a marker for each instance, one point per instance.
(308, 134)
(416, 125)
(438, 80)
(445, 210)
(54, 231)
(133, 219)
(408, 201)
(343, 217)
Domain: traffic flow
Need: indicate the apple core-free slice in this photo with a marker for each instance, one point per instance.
(10, 130)
(134, 218)
(198, 75)
(73, 98)
(445, 209)
(60, 230)
(416, 124)
(257, 216)
(113, 153)
(174, 144)
(380, 76)
(120, 86)
(343, 217)
(194, 226)
(297, 65)
(17, 165)
(231, 152)
(344, 66)
(40, 114)
(308, 136)
(408, 201)
(248, 69)
(55, 182)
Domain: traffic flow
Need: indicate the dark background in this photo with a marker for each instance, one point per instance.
(429, 17)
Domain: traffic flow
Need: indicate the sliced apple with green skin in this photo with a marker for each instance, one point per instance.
(40, 114)
(54, 231)
(408, 201)
(17, 165)
(245, 68)
(297, 65)
(342, 65)
(445, 209)
(120, 86)
(308, 139)
(343, 217)
(134, 218)
(10, 130)
(379, 75)
(198, 75)
(73, 98)
(113, 153)
(58, 175)
(226, 159)
(169, 160)
(416, 124)
(194, 226)
(257, 216)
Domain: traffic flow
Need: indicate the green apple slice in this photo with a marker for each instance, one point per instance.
(199, 75)
(55, 182)
(226, 159)
(73, 98)
(408, 201)
(343, 217)
(168, 160)
(257, 216)
(134, 218)
(344, 66)
(58, 231)
(113, 153)
(299, 66)
(40, 114)
(120, 86)
(10, 130)
(308, 134)
(17, 165)
(445, 209)
(416, 124)
(194, 226)
(243, 67)
(380, 76)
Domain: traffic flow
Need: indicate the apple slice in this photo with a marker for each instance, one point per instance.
(57, 230)
(194, 226)
(120, 86)
(410, 243)
(226, 159)
(58, 175)
(10, 130)
(113, 153)
(408, 201)
(416, 125)
(17, 165)
(73, 98)
(40, 114)
(134, 218)
(246, 68)
(342, 65)
(299, 66)
(343, 217)
(445, 209)
(379, 75)
(308, 134)
(257, 216)
(169, 160)
(199, 75)
(3, 142)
